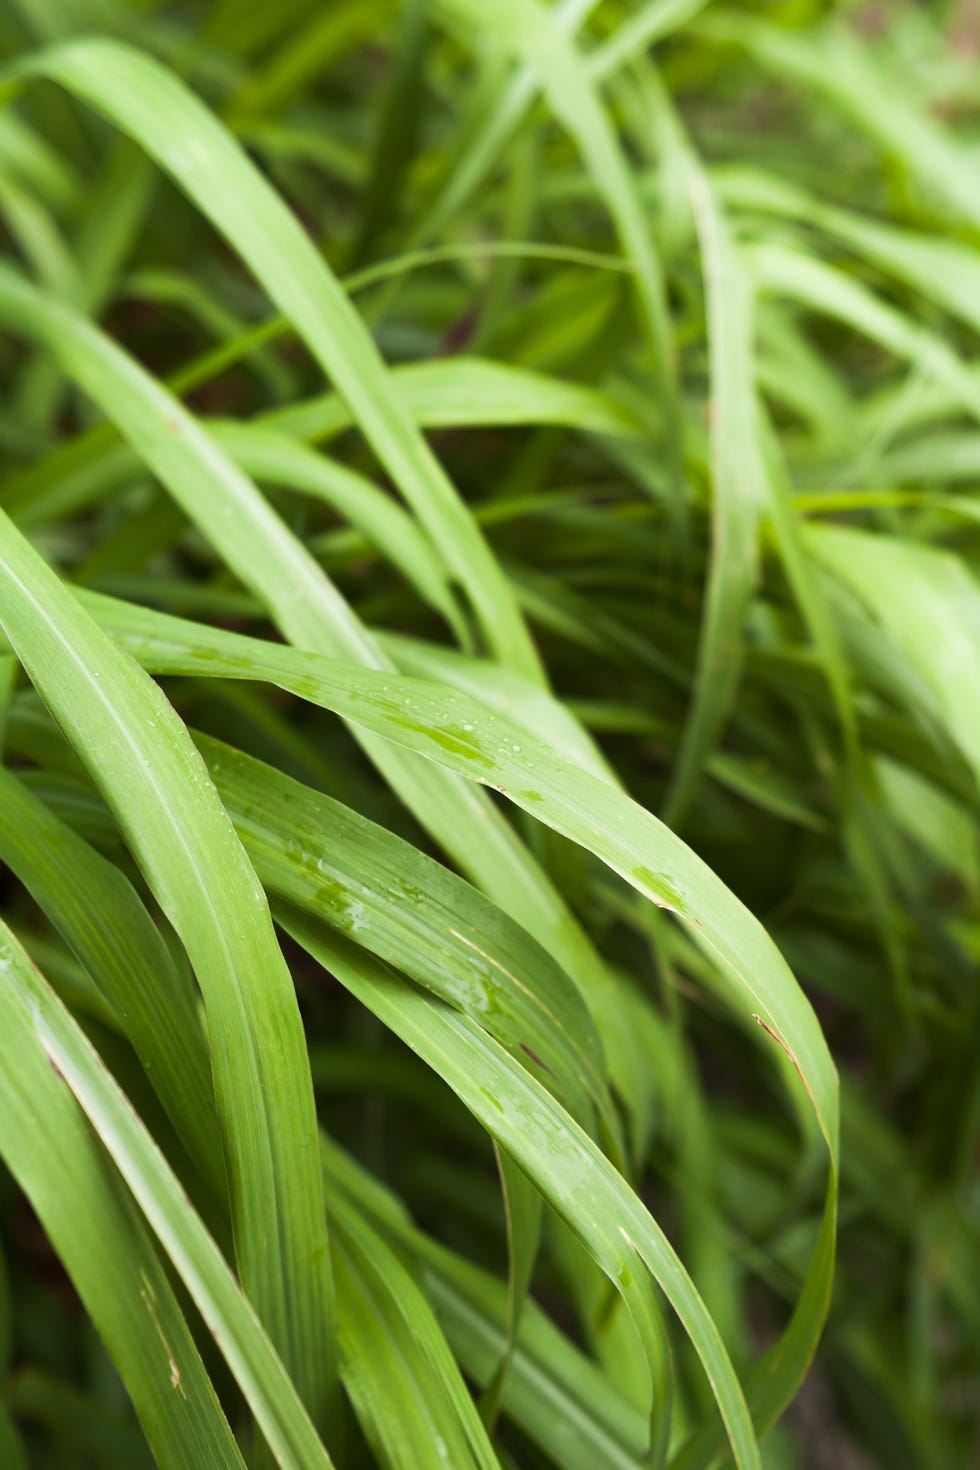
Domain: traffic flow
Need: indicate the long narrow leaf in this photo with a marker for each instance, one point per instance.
(141, 756)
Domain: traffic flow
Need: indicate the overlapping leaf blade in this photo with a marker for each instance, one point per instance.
(140, 755)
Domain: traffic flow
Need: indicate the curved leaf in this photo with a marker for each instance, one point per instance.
(154, 781)
(151, 105)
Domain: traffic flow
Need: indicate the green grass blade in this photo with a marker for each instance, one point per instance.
(942, 270)
(470, 739)
(57, 1043)
(101, 918)
(306, 49)
(737, 493)
(575, 1177)
(256, 544)
(494, 127)
(274, 458)
(413, 913)
(832, 61)
(140, 755)
(397, 134)
(523, 1213)
(556, 1394)
(532, 31)
(928, 604)
(640, 30)
(510, 695)
(826, 290)
(466, 392)
(396, 1365)
(147, 102)
(26, 155)
(50, 1150)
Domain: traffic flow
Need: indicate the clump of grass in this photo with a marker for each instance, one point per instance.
(490, 641)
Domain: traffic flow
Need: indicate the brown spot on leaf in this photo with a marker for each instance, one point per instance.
(535, 1058)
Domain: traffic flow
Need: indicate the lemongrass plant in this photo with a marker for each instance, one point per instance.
(490, 716)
